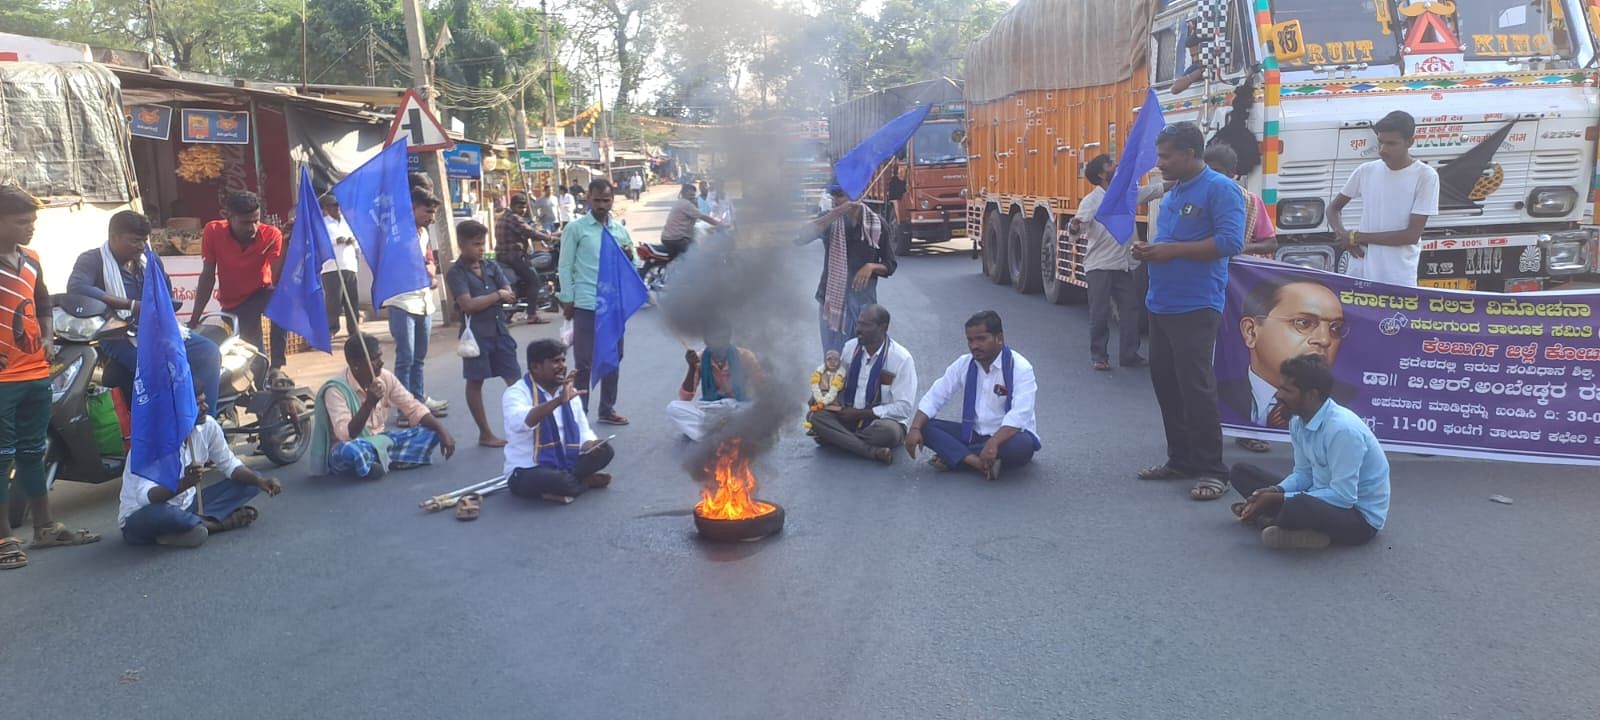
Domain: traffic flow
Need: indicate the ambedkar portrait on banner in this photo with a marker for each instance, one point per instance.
(1282, 316)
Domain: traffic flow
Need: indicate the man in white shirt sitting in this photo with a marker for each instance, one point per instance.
(339, 275)
(880, 389)
(550, 450)
(1398, 194)
(151, 514)
(997, 388)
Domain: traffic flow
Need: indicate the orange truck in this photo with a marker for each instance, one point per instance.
(921, 192)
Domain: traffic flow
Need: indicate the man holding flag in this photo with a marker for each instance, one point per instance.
(1201, 225)
(600, 289)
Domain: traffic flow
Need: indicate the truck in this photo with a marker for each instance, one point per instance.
(921, 192)
(1503, 92)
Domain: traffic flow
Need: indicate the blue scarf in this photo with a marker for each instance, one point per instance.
(874, 381)
(553, 448)
(708, 383)
(969, 399)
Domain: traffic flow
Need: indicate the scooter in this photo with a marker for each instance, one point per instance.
(81, 368)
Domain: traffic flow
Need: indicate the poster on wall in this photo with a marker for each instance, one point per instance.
(150, 121)
(216, 126)
(463, 162)
(1469, 374)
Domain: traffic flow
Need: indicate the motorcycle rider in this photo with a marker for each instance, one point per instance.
(114, 274)
(678, 232)
(25, 352)
(517, 244)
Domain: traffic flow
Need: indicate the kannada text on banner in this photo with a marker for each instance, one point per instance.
(1510, 377)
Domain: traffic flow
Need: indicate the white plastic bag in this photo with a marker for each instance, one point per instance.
(566, 332)
(467, 346)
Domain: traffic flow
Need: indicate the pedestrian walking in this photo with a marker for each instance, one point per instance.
(1201, 225)
(579, 271)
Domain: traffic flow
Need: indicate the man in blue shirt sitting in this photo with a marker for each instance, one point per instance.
(1201, 225)
(1338, 491)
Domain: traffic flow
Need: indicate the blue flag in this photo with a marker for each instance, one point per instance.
(376, 201)
(855, 169)
(1138, 157)
(164, 409)
(618, 294)
(298, 303)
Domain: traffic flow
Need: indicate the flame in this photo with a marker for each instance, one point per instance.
(731, 494)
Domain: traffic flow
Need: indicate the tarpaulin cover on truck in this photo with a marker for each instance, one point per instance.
(63, 132)
(1060, 44)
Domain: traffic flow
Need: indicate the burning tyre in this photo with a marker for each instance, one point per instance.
(728, 510)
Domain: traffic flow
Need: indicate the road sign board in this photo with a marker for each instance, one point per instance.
(553, 140)
(534, 161)
(417, 124)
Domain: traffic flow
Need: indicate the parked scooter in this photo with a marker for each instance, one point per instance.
(282, 429)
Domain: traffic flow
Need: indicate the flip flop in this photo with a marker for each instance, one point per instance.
(1102, 365)
(468, 507)
(57, 535)
(1209, 488)
(1253, 445)
(1163, 472)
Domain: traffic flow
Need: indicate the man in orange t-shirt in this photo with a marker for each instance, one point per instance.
(243, 257)
(25, 348)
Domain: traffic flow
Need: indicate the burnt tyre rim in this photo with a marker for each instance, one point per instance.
(742, 530)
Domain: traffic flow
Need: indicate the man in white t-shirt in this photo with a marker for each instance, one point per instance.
(1399, 193)
(341, 271)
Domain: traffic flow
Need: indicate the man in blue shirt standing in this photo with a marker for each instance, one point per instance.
(1339, 489)
(1201, 225)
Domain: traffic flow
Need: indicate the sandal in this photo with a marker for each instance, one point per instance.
(241, 518)
(1163, 472)
(1209, 488)
(1253, 445)
(468, 507)
(1102, 365)
(613, 419)
(11, 555)
(57, 535)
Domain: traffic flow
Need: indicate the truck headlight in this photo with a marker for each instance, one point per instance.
(1315, 257)
(1552, 201)
(1300, 214)
(1567, 253)
(926, 205)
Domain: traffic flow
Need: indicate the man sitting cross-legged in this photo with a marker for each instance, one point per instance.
(351, 438)
(151, 514)
(550, 451)
(1338, 491)
(997, 390)
(720, 382)
(880, 390)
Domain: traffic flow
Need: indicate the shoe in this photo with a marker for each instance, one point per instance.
(612, 418)
(1277, 538)
(883, 455)
(437, 407)
(195, 537)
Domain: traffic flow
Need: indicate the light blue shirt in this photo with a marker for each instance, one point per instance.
(1338, 461)
(579, 266)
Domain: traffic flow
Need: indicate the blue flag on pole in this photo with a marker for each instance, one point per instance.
(298, 303)
(855, 169)
(164, 409)
(1138, 157)
(618, 294)
(376, 201)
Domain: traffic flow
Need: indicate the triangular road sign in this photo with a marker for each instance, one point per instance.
(1430, 33)
(416, 123)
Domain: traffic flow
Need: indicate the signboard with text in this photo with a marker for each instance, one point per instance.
(535, 161)
(463, 162)
(1484, 375)
(216, 126)
(150, 121)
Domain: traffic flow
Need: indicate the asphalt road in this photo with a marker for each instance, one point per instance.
(1067, 590)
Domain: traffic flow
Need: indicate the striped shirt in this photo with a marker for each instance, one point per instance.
(21, 348)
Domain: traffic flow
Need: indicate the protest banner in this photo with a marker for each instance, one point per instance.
(1470, 374)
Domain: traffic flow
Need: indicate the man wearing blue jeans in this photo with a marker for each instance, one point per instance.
(114, 274)
(411, 313)
(152, 514)
(997, 389)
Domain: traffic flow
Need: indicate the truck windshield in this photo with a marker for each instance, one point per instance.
(1499, 29)
(934, 145)
(1341, 33)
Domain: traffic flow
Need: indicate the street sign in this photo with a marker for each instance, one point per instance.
(535, 161)
(554, 141)
(416, 123)
(583, 149)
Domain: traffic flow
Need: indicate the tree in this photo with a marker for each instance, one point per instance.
(627, 28)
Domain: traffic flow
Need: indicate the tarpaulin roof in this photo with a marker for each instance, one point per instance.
(62, 131)
(1058, 45)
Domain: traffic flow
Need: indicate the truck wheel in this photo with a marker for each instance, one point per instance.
(1022, 255)
(994, 248)
(1049, 251)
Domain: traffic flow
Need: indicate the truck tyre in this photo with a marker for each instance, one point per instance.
(1055, 290)
(994, 248)
(900, 235)
(1022, 255)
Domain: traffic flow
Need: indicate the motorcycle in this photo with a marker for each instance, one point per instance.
(654, 260)
(282, 429)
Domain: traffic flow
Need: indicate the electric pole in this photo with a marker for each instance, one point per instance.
(550, 84)
(372, 57)
(432, 161)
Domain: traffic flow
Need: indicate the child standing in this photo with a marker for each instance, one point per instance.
(478, 288)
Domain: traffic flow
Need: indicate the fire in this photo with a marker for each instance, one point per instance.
(731, 494)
